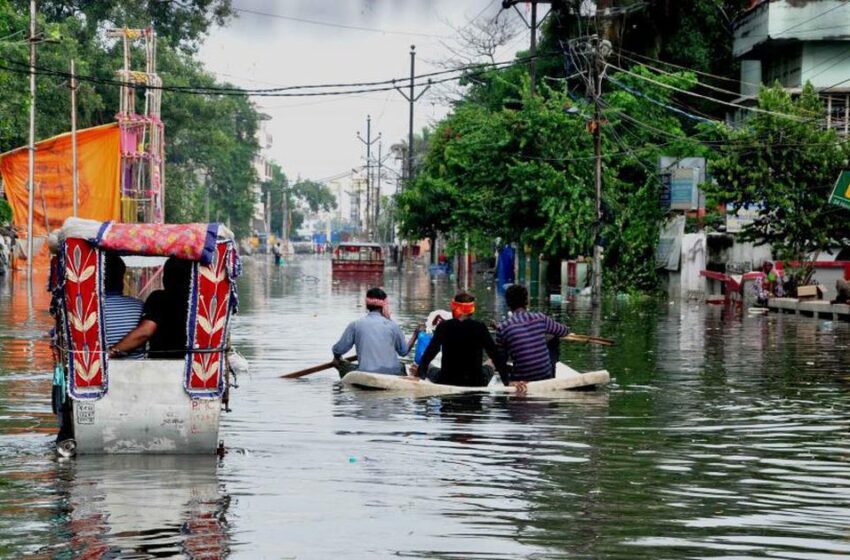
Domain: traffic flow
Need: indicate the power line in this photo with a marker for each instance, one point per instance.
(700, 96)
(351, 88)
(338, 25)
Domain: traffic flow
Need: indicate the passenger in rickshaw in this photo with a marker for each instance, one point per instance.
(163, 322)
(121, 313)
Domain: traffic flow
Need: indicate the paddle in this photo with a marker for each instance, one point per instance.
(315, 369)
(572, 337)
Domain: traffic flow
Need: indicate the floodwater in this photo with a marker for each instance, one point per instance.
(721, 436)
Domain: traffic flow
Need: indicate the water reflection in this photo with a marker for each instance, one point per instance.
(141, 507)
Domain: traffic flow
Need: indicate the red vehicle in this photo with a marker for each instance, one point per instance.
(354, 257)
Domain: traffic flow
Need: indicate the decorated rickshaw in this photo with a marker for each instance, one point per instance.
(149, 405)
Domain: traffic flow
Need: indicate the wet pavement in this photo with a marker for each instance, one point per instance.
(721, 436)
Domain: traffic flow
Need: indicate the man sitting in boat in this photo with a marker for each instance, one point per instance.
(463, 341)
(378, 339)
(121, 313)
(163, 322)
(529, 338)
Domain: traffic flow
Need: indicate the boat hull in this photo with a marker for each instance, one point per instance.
(146, 410)
(394, 383)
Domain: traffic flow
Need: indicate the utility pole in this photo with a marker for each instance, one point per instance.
(598, 71)
(74, 166)
(31, 170)
(368, 141)
(378, 189)
(533, 25)
(284, 226)
(412, 97)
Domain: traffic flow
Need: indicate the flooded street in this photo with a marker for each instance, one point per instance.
(720, 436)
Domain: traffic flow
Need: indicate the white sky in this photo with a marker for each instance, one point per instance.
(316, 137)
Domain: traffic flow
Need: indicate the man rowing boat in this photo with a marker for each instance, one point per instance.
(523, 338)
(378, 339)
(463, 340)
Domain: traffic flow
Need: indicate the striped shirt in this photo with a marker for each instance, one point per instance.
(523, 338)
(121, 315)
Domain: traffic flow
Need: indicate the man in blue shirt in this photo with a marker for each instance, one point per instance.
(378, 339)
(121, 313)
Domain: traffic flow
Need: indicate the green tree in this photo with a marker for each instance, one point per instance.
(210, 139)
(784, 161)
(316, 196)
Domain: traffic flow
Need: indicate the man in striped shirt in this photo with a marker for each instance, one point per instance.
(121, 313)
(523, 338)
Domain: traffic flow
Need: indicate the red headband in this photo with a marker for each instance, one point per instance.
(459, 309)
(384, 304)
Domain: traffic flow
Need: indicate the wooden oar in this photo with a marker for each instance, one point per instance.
(315, 369)
(573, 337)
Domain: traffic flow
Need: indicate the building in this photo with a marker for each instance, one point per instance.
(263, 167)
(794, 42)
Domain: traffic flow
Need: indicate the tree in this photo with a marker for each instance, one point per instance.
(316, 196)
(783, 161)
(523, 171)
(210, 139)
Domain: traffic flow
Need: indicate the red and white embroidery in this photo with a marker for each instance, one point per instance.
(82, 313)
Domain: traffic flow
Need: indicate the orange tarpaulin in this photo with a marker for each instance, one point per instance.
(98, 161)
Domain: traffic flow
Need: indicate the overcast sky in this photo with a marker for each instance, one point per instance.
(316, 137)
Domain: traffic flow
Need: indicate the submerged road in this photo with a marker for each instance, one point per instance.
(720, 437)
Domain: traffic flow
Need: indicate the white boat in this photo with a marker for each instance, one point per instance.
(158, 406)
(565, 379)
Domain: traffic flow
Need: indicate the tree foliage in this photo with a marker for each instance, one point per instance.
(210, 139)
(523, 171)
(784, 162)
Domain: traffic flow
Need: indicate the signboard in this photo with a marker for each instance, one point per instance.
(684, 194)
(737, 218)
(841, 193)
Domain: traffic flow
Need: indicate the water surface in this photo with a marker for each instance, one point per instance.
(721, 436)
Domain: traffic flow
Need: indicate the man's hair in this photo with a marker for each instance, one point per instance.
(114, 276)
(464, 297)
(516, 296)
(176, 275)
(375, 293)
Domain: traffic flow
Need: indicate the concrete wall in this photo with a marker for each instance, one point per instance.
(826, 63)
(804, 20)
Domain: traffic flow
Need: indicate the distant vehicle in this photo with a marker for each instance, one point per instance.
(354, 257)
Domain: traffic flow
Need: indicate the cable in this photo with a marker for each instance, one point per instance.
(364, 87)
(656, 102)
(339, 25)
(719, 101)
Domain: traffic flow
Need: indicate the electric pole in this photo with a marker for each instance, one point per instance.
(368, 141)
(31, 170)
(533, 25)
(412, 97)
(74, 171)
(598, 72)
(378, 190)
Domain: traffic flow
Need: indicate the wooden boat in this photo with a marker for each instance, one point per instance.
(356, 258)
(161, 406)
(565, 379)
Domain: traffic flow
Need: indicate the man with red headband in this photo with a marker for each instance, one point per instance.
(463, 340)
(378, 339)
